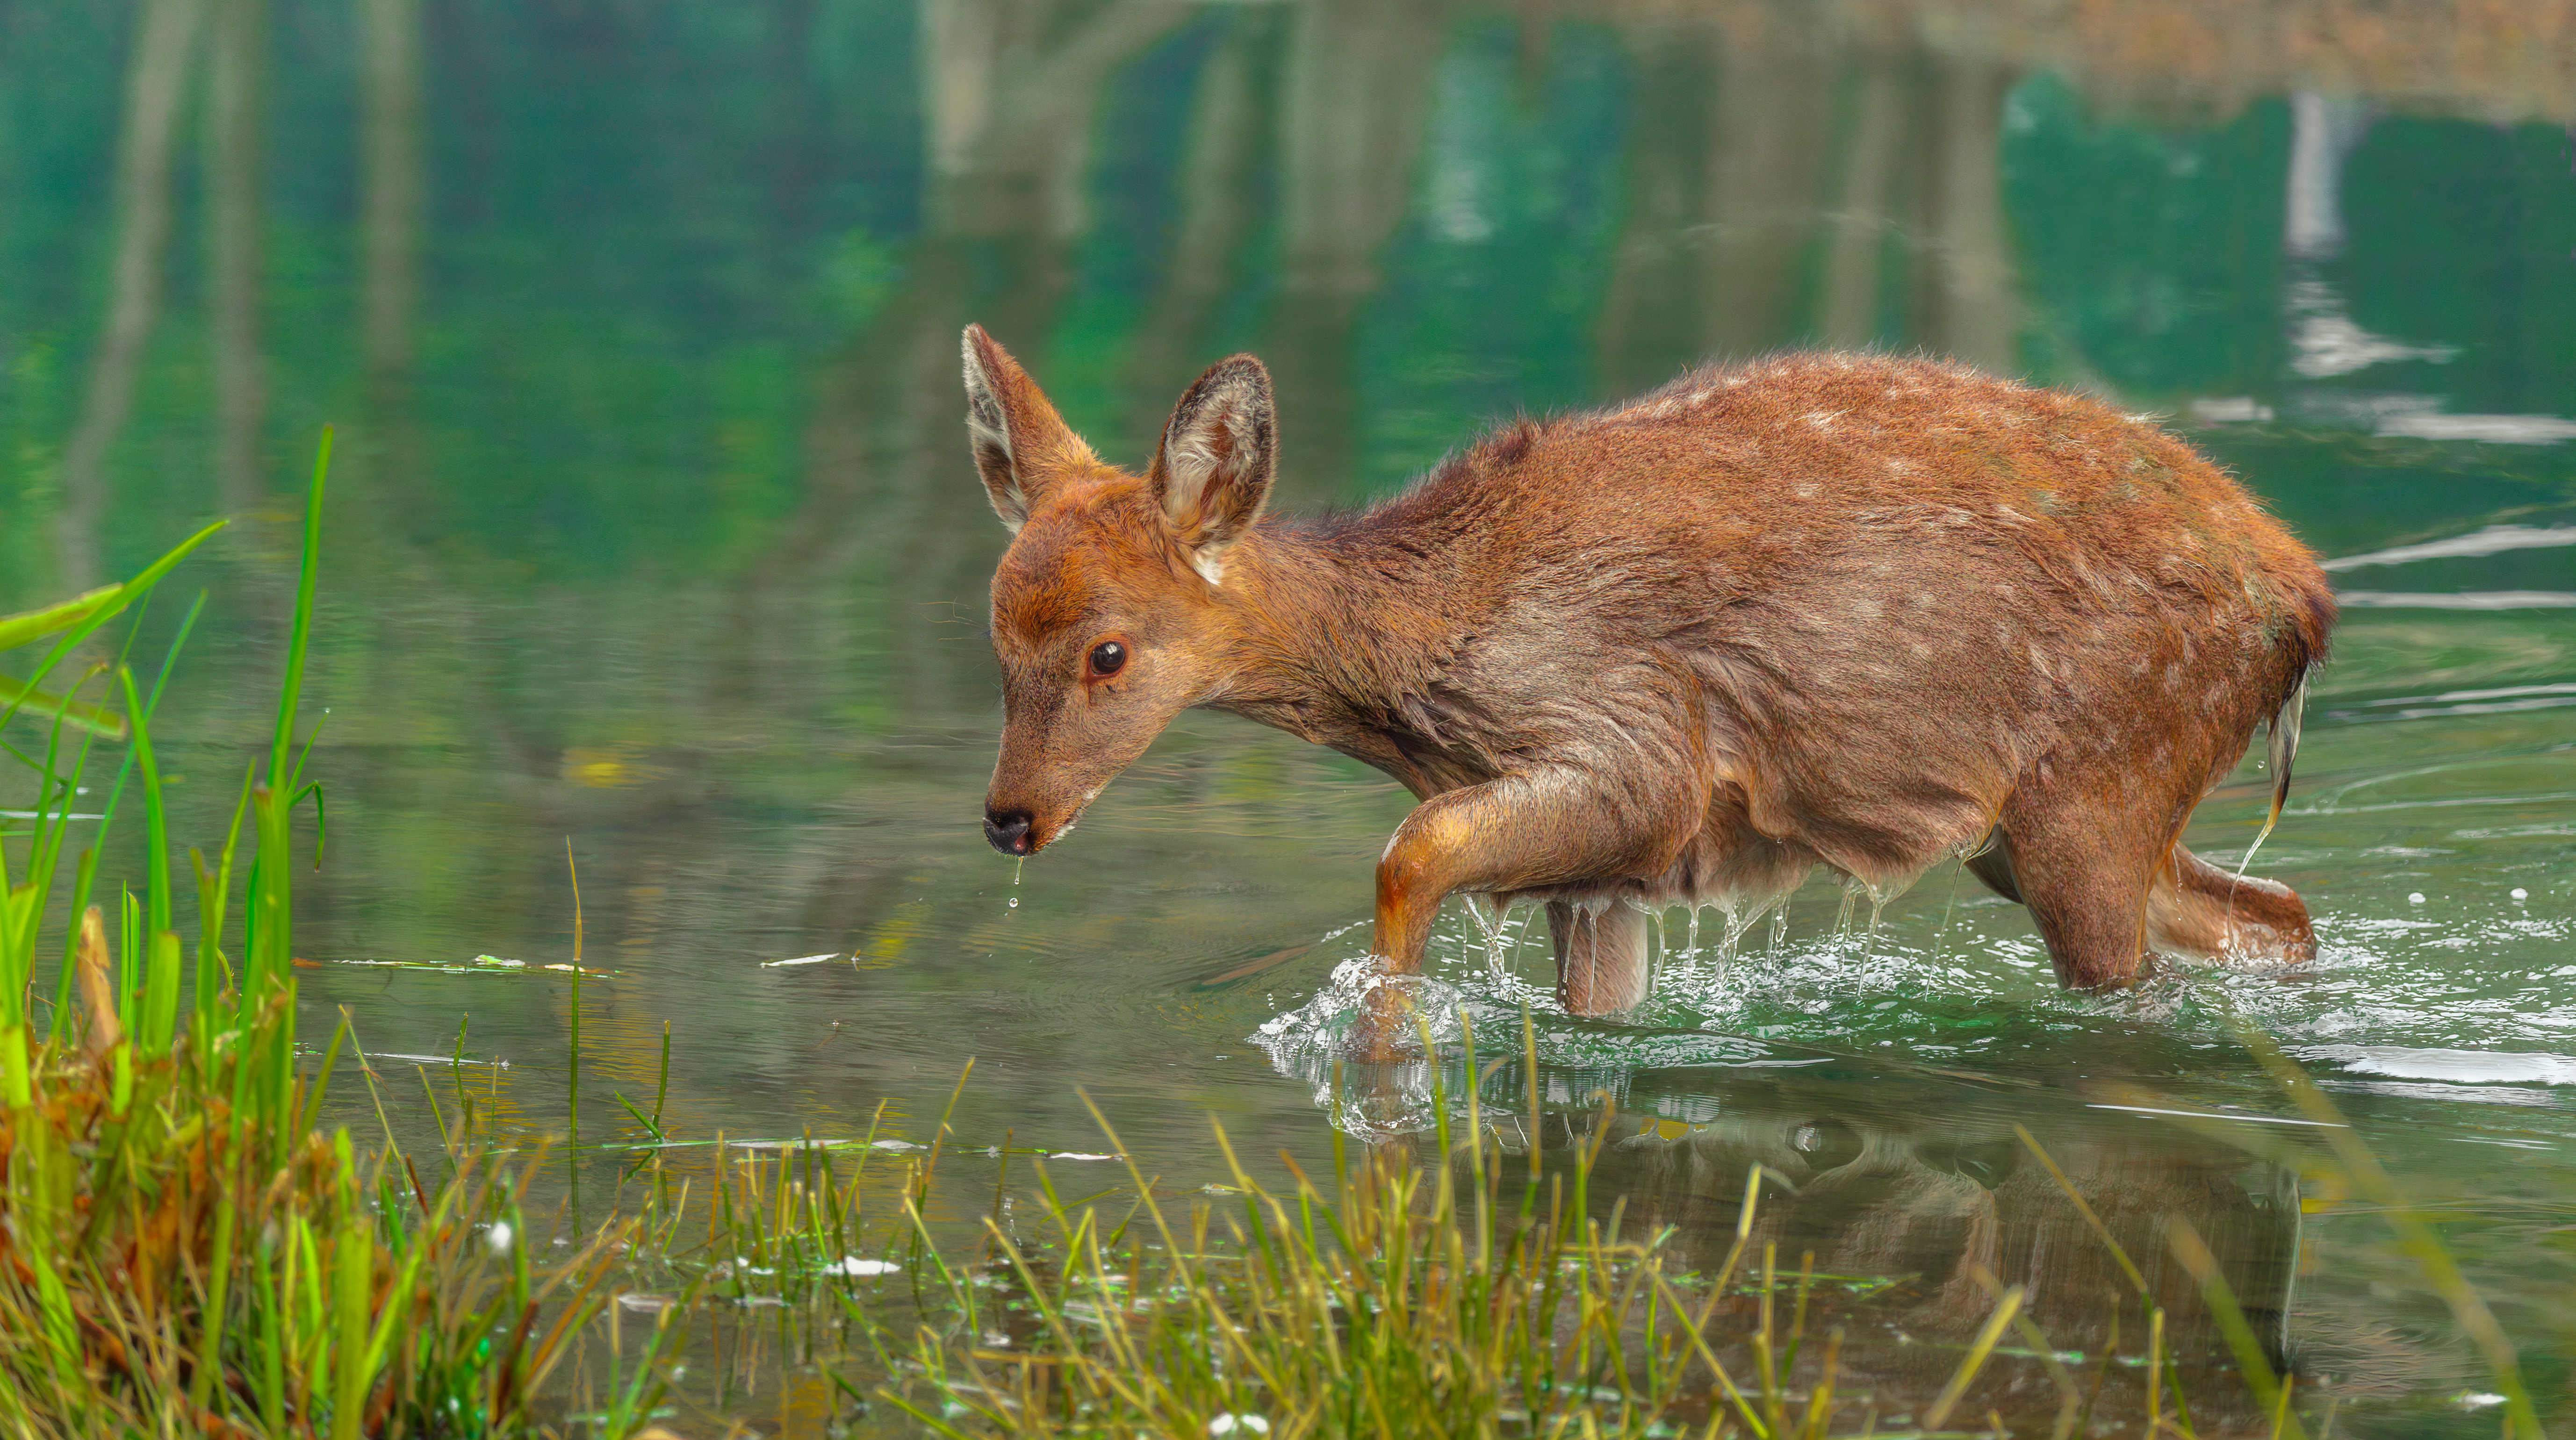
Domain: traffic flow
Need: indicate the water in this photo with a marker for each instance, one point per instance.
(655, 530)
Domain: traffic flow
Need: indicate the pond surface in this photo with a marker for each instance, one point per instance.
(654, 534)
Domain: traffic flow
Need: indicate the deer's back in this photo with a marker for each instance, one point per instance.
(1864, 572)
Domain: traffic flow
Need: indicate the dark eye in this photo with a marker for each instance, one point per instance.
(1108, 658)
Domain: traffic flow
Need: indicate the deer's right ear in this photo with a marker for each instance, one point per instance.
(1017, 437)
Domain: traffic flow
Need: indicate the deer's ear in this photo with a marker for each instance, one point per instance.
(1219, 454)
(1017, 437)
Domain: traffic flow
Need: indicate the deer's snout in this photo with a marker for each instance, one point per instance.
(1009, 830)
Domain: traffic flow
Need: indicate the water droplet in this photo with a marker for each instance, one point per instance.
(1015, 902)
(2521, 894)
(2416, 898)
(1016, 867)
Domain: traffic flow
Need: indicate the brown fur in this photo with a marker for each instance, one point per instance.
(1850, 610)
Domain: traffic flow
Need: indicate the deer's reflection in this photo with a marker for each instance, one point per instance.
(1913, 1203)
(1944, 1195)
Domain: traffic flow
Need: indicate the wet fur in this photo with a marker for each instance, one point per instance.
(1850, 610)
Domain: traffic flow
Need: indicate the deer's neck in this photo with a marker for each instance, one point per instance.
(1339, 622)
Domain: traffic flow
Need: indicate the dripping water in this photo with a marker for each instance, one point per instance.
(1736, 925)
(1728, 934)
(1498, 946)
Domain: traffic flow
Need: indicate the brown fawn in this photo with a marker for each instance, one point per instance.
(1839, 609)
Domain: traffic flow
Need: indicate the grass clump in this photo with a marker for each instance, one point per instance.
(1473, 1296)
(185, 1252)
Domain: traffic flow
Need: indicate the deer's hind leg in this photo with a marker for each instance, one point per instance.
(2082, 859)
(1600, 956)
(2198, 911)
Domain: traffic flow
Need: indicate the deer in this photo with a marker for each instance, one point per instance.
(1856, 611)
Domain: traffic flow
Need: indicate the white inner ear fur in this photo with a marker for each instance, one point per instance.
(988, 429)
(1191, 465)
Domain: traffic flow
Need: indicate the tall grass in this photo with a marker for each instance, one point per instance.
(185, 1251)
(1470, 1297)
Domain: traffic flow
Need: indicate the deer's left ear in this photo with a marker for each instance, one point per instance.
(1219, 454)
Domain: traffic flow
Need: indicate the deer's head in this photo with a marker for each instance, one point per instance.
(1108, 608)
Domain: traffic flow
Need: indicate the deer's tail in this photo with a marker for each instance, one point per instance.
(2311, 616)
(2282, 753)
(2285, 748)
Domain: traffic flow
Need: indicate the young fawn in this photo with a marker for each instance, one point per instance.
(1849, 610)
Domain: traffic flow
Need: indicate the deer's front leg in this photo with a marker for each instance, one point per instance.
(1523, 832)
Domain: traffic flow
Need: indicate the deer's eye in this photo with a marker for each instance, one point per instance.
(1108, 658)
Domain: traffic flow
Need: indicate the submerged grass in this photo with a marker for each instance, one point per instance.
(188, 1252)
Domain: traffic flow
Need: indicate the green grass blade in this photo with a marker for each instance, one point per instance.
(125, 594)
(17, 630)
(156, 856)
(27, 699)
(292, 691)
(2251, 1362)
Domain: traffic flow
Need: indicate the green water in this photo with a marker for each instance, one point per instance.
(655, 529)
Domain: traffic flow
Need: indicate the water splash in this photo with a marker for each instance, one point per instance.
(1325, 1023)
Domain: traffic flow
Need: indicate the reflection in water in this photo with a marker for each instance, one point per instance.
(1922, 1204)
(236, 95)
(1913, 1200)
(155, 82)
(392, 191)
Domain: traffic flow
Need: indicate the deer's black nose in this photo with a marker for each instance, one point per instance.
(1008, 830)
